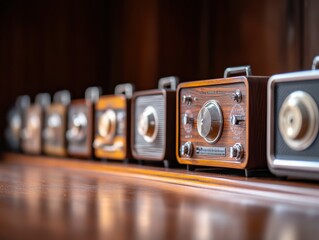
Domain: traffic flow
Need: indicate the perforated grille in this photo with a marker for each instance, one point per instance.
(156, 148)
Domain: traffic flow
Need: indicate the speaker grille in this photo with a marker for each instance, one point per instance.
(156, 148)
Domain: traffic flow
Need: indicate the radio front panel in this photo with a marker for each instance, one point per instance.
(212, 123)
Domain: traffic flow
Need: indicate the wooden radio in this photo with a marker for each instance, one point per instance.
(222, 122)
(293, 124)
(55, 124)
(153, 122)
(31, 137)
(112, 124)
(80, 131)
(15, 122)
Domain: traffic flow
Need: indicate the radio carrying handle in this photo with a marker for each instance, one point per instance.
(315, 63)
(236, 70)
(43, 99)
(22, 102)
(168, 83)
(92, 94)
(125, 88)
(63, 97)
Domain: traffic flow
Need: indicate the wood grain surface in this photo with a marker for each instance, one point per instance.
(48, 198)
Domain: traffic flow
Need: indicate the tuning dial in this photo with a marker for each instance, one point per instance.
(148, 124)
(298, 120)
(236, 151)
(237, 96)
(187, 149)
(210, 121)
(107, 125)
(77, 131)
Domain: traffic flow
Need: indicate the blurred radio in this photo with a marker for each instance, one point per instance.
(293, 123)
(81, 130)
(31, 136)
(222, 122)
(55, 124)
(15, 121)
(153, 122)
(113, 124)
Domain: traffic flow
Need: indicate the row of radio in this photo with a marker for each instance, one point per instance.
(219, 123)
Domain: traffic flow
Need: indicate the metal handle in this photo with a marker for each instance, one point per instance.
(43, 99)
(168, 83)
(236, 70)
(22, 102)
(125, 88)
(92, 94)
(62, 96)
(315, 63)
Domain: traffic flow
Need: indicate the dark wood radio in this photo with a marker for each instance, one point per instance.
(31, 136)
(153, 123)
(222, 122)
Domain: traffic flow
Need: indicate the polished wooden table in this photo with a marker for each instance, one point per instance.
(48, 198)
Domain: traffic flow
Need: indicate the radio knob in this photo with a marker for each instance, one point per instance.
(77, 131)
(187, 149)
(148, 124)
(187, 99)
(187, 120)
(210, 121)
(235, 119)
(237, 96)
(236, 151)
(299, 120)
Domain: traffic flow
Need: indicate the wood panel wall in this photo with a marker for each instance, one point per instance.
(55, 44)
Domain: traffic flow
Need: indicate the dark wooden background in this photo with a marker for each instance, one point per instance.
(56, 44)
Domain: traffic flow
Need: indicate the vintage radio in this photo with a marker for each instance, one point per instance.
(31, 136)
(222, 122)
(153, 123)
(55, 124)
(293, 123)
(113, 124)
(80, 131)
(15, 121)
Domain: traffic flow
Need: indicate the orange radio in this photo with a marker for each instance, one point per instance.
(153, 123)
(55, 124)
(113, 124)
(222, 122)
(80, 131)
(31, 137)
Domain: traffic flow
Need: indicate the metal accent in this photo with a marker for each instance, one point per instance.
(210, 121)
(235, 119)
(148, 124)
(126, 88)
(315, 63)
(211, 151)
(237, 96)
(77, 132)
(63, 97)
(287, 166)
(299, 120)
(236, 151)
(168, 83)
(92, 94)
(107, 125)
(187, 100)
(98, 144)
(187, 149)
(237, 70)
